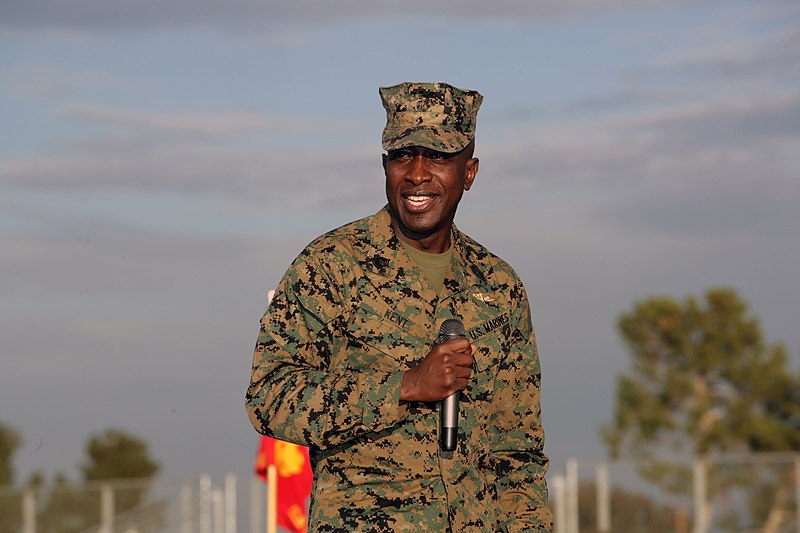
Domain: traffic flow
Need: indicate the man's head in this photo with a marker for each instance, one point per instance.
(433, 115)
(429, 137)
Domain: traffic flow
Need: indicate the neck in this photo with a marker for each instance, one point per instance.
(437, 242)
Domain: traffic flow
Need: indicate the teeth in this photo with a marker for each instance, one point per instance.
(418, 198)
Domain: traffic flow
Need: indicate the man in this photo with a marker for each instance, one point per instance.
(347, 361)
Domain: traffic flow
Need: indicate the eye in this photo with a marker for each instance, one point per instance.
(438, 156)
(399, 154)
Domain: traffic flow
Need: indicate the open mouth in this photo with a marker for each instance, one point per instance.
(418, 202)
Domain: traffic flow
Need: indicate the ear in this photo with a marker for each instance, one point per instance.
(384, 158)
(470, 172)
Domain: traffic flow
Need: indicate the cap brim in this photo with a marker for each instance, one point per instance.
(438, 139)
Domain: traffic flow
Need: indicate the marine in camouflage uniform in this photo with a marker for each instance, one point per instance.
(354, 318)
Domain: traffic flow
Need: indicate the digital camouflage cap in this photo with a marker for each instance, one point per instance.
(434, 115)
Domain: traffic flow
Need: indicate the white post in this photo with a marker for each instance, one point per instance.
(186, 509)
(797, 493)
(106, 509)
(205, 503)
(29, 512)
(572, 496)
(699, 482)
(603, 499)
(255, 505)
(272, 499)
(217, 501)
(230, 503)
(560, 508)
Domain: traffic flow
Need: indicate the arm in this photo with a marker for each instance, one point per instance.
(296, 393)
(517, 438)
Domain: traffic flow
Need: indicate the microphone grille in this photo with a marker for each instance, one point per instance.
(452, 328)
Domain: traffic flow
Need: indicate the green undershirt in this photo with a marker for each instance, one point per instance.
(433, 266)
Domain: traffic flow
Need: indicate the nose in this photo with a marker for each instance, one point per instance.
(419, 172)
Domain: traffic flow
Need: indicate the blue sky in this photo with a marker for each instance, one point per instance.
(160, 167)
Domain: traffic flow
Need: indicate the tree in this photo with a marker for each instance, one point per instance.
(702, 380)
(69, 508)
(10, 441)
(111, 455)
(115, 454)
(632, 512)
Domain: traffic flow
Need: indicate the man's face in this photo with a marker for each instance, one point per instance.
(423, 187)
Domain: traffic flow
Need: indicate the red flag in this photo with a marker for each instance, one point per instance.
(294, 480)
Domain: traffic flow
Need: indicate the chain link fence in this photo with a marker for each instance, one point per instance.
(133, 506)
(727, 494)
(752, 493)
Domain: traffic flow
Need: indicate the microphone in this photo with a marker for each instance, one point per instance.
(448, 410)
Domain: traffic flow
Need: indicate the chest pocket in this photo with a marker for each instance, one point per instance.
(376, 340)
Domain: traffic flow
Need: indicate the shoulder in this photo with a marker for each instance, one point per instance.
(335, 249)
(317, 278)
(493, 267)
(337, 241)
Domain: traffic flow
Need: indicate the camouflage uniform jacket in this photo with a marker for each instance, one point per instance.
(353, 313)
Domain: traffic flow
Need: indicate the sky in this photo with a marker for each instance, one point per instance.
(161, 164)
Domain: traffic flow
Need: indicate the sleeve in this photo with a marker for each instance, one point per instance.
(296, 392)
(516, 435)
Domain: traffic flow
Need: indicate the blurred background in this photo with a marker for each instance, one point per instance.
(161, 163)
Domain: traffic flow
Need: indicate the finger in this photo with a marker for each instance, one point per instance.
(461, 384)
(462, 372)
(457, 345)
(462, 359)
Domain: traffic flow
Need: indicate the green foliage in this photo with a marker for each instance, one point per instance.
(115, 454)
(111, 455)
(10, 504)
(68, 507)
(702, 380)
(10, 441)
(631, 512)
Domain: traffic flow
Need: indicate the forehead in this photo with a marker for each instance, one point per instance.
(421, 150)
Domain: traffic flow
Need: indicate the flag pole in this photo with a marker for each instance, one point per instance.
(272, 481)
(272, 499)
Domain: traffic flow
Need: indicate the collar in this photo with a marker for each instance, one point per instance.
(384, 256)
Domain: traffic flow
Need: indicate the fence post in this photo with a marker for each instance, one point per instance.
(29, 511)
(205, 503)
(572, 496)
(603, 499)
(560, 508)
(187, 509)
(699, 484)
(230, 503)
(797, 492)
(255, 505)
(106, 508)
(217, 501)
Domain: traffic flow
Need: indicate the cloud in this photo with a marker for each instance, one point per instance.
(226, 124)
(680, 155)
(219, 124)
(739, 54)
(256, 16)
(705, 170)
(291, 178)
(230, 155)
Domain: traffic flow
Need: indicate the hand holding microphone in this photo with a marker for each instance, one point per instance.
(444, 371)
(452, 329)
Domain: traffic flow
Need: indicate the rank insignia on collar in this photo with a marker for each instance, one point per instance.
(483, 297)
